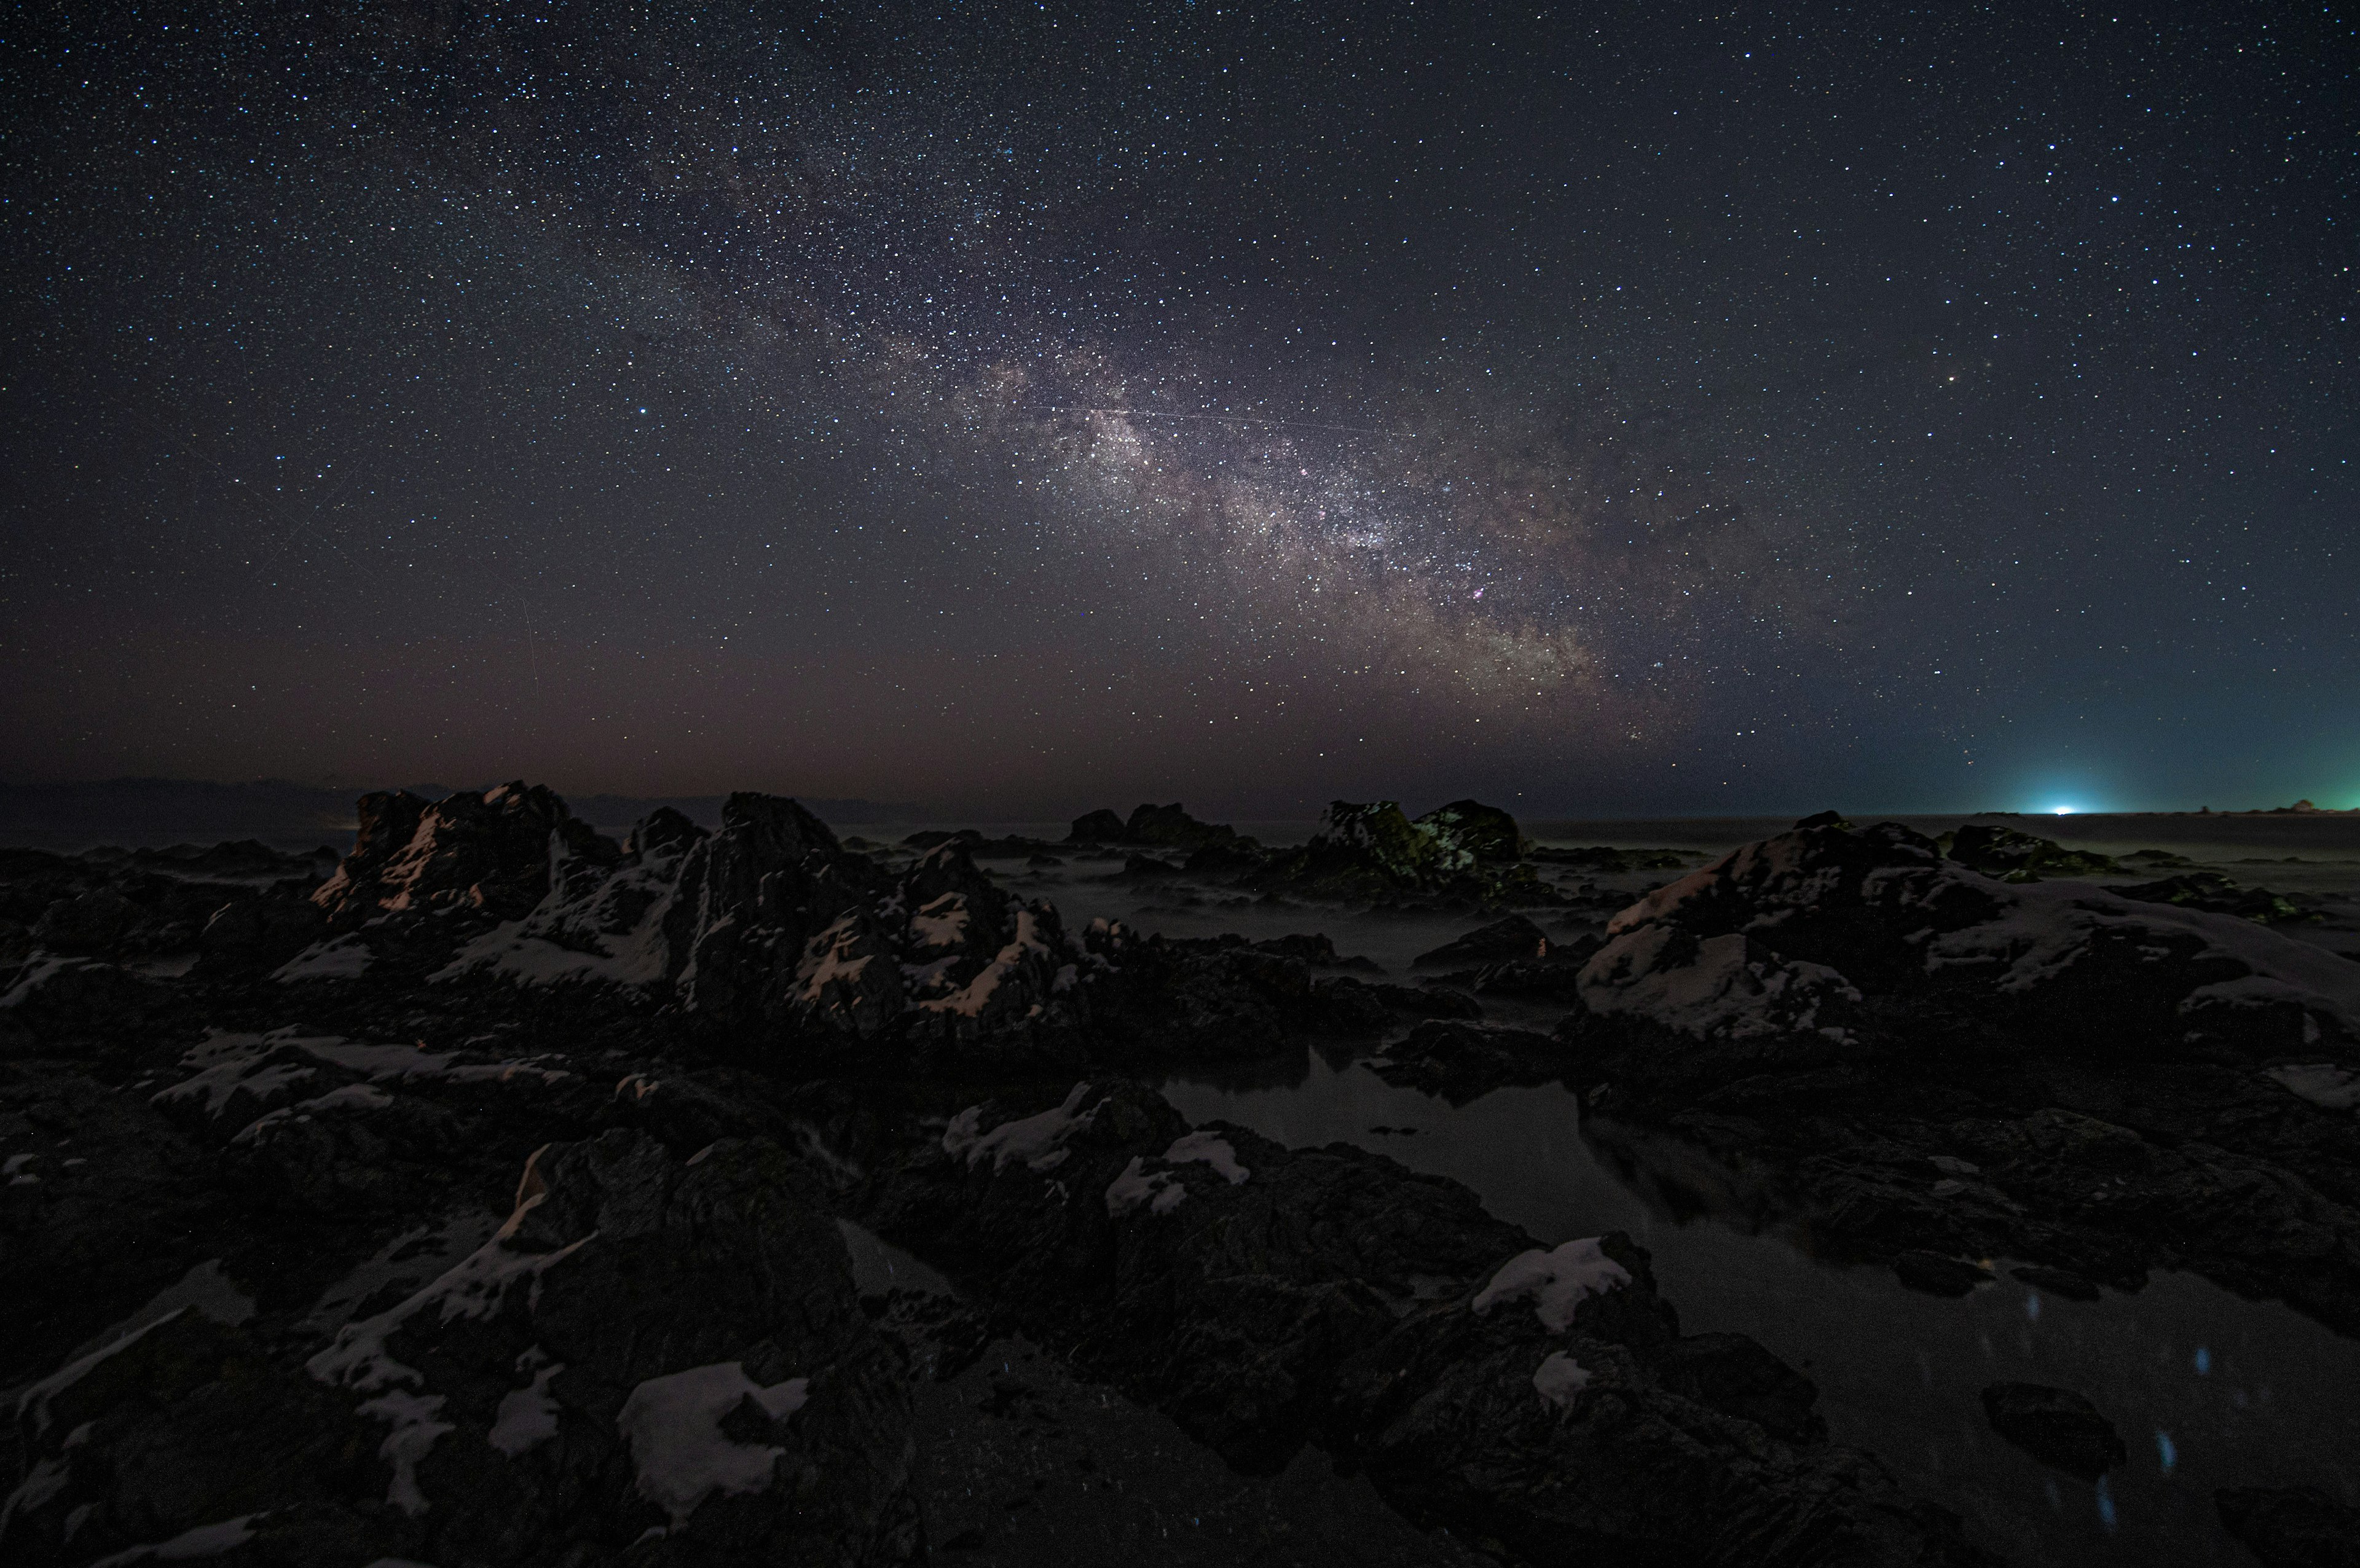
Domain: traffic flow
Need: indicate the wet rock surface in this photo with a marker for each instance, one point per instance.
(1938, 1062)
(1534, 1401)
(2057, 1426)
(485, 1188)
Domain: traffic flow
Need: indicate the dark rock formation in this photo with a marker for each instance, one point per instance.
(2015, 856)
(1462, 1062)
(1485, 833)
(1373, 852)
(1157, 827)
(2056, 1426)
(2211, 891)
(1513, 937)
(1317, 951)
(1095, 827)
(645, 1348)
(490, 851)
(1539, 1401)
(1949, 1064)
(1169, 827)
(1601, 860)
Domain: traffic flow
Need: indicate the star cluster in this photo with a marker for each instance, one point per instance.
(1013, 406)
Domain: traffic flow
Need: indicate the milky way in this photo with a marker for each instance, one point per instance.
(1011, 407)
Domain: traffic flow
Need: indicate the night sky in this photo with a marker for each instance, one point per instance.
(1022, 408)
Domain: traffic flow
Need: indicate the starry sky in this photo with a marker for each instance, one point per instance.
(1023, 408)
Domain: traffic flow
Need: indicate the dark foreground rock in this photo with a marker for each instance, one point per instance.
(1461, 1061)
(1539, 1402)
(1514, 937)
(2211, 891)
(1940, 1061)
(2056, 1426)
(2011, 854)
(650, 1358)
(1464, 855)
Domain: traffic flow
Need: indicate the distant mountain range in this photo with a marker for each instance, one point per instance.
(141, 812)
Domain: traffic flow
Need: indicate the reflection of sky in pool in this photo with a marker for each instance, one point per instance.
(2208, 1390)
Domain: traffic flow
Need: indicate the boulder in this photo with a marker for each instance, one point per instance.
(647, 1355)
(2211, 891)
(1462, 1061)
(1095, 827)
(1372, 850)
(2056, 1426)
(1538, 1402)
(1170, 827)
(489, 851)
(96, 921)
(2011, 855)
(1514, 937)
(51, 1001)
(1486, 833)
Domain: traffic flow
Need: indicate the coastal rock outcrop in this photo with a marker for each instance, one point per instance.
(1539, 1398)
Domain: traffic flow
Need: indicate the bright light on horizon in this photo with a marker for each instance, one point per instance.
(2064, 810)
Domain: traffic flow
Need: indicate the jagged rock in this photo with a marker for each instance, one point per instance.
(1170, 827)
(1553, 976)
(932, 838)
(773, 931)
(648, 1354)
(1372, 850)
(663, 832)
(1537, 1400)
(2291, 1527)
(1369, 1007)
(1317, 951)
(1461, 1062)
(1514, 937)
(90, 922)
(2211, 891)
(2019, 856)
(1485, 833)
(177, 1428)
(489, 851)
(1601, 860)
(2056, 1426)
(1095, 827)
(1736, 1375)
(1836, 989)
(51, 1000)
(2070, 966)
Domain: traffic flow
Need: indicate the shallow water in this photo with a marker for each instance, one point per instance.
(2207, 1389)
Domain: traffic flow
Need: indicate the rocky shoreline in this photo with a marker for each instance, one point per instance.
(482, 1196)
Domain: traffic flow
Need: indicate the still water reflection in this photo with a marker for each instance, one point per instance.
(2208, 1390)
